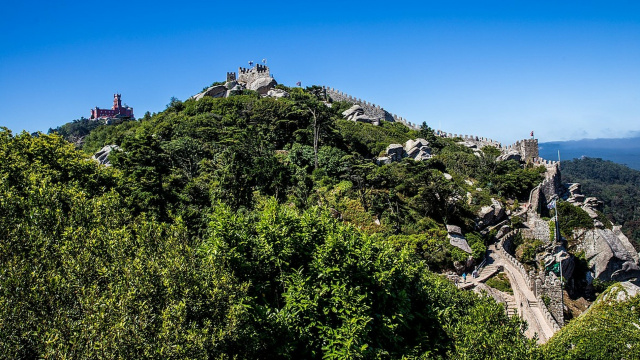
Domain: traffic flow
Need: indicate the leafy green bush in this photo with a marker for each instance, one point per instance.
(500, 282)
(571, 217)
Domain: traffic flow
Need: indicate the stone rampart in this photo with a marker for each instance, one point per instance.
(527, 148)
(370, 109)
(478, 140)
(547, 314)
(550, 287)
(550, 188)
(504, 246)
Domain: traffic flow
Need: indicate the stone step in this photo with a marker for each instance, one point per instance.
(511, 308)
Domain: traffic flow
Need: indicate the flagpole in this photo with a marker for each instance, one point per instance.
(555, 203)
(559, 167)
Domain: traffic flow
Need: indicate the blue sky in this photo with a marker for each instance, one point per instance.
(499, 69)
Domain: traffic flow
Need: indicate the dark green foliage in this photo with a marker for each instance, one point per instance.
(526, 251)
(86, 272)
(246, 227)
(616, 185)
(77, 129)
(571, 217)
(371, 140)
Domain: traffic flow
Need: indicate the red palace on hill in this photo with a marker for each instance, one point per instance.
(117, 110)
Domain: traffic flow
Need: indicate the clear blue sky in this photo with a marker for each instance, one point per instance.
(499, 69)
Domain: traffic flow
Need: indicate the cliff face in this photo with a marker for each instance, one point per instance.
(610, 254)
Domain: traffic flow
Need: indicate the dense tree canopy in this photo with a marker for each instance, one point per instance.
(246, 227)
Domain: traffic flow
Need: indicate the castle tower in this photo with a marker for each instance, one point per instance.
(116, 102)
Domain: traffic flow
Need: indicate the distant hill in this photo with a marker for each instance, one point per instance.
(622, 150)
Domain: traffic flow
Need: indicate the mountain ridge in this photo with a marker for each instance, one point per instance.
(625, 151)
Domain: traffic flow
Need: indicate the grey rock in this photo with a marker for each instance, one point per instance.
(357, 113)
(262, 85)
(277, 93)
(510, 155)
(394, 152)
(454, 229)
(460, 242)
(620, 292)
(417, 143)
(490, 215)
(361, 118)
(354, 110)
(575, 188)
(610, 254)
(216, 91)
(102, 156)
(383, 160)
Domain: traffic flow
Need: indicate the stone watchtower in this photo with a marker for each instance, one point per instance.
(247, 76)
(117, 103)
(231, 76)
(528, 149)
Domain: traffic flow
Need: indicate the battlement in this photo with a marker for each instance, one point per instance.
(527, 148)
(370, 109)
(248, 75)
(481, 141)
(231, 76)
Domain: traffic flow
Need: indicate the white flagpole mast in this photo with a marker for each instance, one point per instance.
(559, 159)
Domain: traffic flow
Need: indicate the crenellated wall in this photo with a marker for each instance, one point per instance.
(370, 109)
(480, 141)
(248, 75)
(549, 287)
(527, 148)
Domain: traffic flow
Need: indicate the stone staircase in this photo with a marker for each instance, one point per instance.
(488, 271)
(512, 307)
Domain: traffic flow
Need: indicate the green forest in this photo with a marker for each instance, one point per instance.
(250, 227)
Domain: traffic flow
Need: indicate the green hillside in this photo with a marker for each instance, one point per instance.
(247, 227)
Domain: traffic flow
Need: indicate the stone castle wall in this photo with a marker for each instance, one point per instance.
(551, 287)
(547, 287)
(550, 188)
(370, 109)
(480, 141)
(248, 75)
(527, 148)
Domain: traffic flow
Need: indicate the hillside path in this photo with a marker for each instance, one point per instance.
(526, 304)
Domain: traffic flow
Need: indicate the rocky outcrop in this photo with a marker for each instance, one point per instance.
(490, 215)
(216, 91)
(510, 155)
(394, 152)
(277, 93)
(356, 113)
(610, 254)
(620, 292)
(262, 85)
(102, 156)
(456, 239)
(471, 145)
(418, 149)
